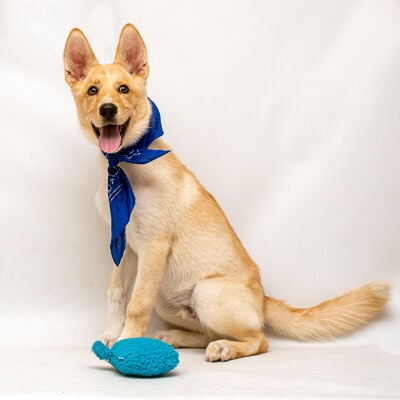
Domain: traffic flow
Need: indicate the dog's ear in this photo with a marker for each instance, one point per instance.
(78, 57)
(131, 52)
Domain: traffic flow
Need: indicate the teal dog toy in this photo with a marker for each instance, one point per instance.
(139, 356)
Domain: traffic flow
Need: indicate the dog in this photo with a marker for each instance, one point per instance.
(182, 257)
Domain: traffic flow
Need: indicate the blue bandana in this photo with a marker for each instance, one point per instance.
(120, 194)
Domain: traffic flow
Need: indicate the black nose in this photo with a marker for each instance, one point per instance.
(108, 111)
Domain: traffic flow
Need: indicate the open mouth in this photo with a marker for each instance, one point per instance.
(110, 136)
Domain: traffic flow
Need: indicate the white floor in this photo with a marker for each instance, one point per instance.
(294, 371)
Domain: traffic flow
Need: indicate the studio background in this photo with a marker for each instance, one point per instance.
(287, 112)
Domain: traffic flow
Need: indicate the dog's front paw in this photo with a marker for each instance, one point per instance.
(108, 338)
(166, 337)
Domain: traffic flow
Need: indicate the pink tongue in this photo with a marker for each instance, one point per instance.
(110, 138)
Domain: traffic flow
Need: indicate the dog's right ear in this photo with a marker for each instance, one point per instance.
(78, 57)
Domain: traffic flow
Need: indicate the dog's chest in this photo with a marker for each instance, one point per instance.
(147, 213)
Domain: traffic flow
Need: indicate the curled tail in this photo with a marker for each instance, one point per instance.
(330, 318)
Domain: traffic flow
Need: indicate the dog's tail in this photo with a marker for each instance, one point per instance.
(329, 319)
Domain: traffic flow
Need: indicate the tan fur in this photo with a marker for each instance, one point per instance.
(191, 267)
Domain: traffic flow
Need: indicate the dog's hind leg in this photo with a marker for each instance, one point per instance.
(224, 350)
(179, 338)
(233, 310)
(119, 288)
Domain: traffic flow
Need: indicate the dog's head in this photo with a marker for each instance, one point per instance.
(111, 99)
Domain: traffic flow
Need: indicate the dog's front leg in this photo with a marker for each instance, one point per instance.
(152, 260)
(119, 287)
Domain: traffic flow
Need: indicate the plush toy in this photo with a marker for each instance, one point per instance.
(139, 356)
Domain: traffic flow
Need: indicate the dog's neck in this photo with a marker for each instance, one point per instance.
(120, 194)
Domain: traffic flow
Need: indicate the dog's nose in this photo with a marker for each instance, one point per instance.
(108, 111)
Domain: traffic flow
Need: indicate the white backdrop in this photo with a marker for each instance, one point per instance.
(288, 112)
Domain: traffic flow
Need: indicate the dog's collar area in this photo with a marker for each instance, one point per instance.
(120, 194)
(122, 128)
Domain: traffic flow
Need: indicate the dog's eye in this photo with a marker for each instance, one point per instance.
(92, 90)
(123, 89)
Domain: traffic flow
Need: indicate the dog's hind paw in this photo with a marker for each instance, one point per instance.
(218, 351)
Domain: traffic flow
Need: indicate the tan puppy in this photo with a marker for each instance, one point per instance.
(191, 267)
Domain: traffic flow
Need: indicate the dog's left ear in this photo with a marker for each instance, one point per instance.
(131, 52)
(78, 57)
